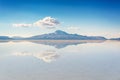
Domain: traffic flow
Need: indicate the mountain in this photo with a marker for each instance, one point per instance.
(5, 38)
(57, 35)
(17, 38)
(61, 35)
(115, 39)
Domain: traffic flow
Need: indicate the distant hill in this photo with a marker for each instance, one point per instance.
(61, 35)
(115, 39)
(5, 38)
(17, 38)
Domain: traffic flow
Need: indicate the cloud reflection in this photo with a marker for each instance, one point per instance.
(47, 56)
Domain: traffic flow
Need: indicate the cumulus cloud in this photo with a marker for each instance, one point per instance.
(22, 25)
(47, 22)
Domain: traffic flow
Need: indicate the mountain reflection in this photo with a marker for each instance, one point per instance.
(43, 52)
(47, 56)
(57, 43)
(4, 41)
(64, 43)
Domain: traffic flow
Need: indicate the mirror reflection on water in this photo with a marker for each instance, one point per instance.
(59, 60)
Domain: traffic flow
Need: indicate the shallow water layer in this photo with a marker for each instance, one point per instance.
(60, 60)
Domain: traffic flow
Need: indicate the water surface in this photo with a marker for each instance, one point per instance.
(59, 60)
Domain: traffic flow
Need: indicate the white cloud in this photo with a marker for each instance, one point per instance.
(22, 25)
(73, 28)
(48, 22)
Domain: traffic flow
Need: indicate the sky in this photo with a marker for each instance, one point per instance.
(34, 17)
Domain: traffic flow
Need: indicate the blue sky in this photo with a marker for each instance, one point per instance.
(86, 17)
